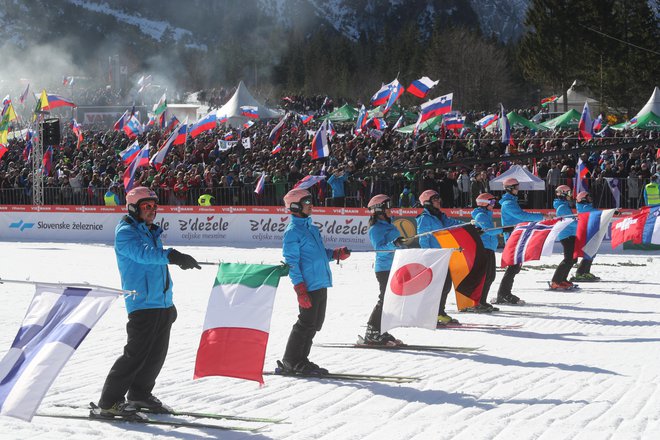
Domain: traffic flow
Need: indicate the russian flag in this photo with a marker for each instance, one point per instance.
(141, 160)
(420, 87)
(487, 120)
(320, 147)
(436, 107)
(396, 90)
(133, 128)
(505, 127)
(181, 134)
(55, 101)
(250, 111)
(381, 96)
(277, 149)
(276, 132)
(585, 126)
(207, 123)
(48, 160)
(591, 229)
(259, 189)
(129, 153)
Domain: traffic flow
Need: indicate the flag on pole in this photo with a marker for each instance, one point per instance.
(308, 181)
(161, 105)
(613, 184)
(141, 160)
(467, 267)
(581, 173)
(549, 100)
(261, 183)
(206, 123)
(487, 120)
(642, 227)
(57, 321)
(530, 240)
(363, 117)
(77, 130)
(585, 126)
(48, 161)
(21, 99)
(435, 107)
(396, 90)
(420, 87)
(276, 132)
(414, 288)
(159, 158)
(320, 147)
(250, 111)
(505, 128)
(128, 154)
(591, 229)
(237, 323)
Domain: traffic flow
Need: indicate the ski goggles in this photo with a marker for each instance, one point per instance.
(149, 206)
(306, 201)
(492, 202)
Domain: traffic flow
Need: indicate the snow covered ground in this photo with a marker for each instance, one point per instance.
(584, 367)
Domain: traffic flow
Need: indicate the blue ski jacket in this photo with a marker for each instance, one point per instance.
(512, 213)
(563, 208)
(142, 263)
(484, 219)
(303, 251)
(427, 222)
(382, 234)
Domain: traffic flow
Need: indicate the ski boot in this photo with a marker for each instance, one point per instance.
(151, 404)
(509, 298)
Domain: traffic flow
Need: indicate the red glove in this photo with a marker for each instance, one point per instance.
(341, 253)
(303, 298)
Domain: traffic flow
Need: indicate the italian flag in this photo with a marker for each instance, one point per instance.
(161, 105)
(237, 323)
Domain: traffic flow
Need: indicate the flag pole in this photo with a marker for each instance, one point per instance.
(78, 285)
(513, 226)
(437, 230)
(458, 249)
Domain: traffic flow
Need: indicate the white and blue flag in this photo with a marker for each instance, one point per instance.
(55, 324)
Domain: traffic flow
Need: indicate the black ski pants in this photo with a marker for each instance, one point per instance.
(309, 322)
(377, 312)
(563, 268)
(507, 281)
(490, 275)
(584, 266)
(135, 371)
(445, 293)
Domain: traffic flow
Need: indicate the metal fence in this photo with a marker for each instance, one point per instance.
(358, 192)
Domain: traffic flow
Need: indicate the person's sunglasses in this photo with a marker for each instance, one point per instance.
(149, 206)
(434, 198)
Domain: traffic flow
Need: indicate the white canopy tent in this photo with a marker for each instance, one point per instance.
(575, 96)
(652, 105)
(243, 97)
(528, 181)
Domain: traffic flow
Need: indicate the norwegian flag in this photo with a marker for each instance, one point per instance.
(530, 240)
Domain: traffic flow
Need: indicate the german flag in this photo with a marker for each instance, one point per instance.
(467, 268)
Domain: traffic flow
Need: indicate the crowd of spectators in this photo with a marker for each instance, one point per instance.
(374, 162)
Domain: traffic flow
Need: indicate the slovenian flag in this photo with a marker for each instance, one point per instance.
(119, 125)
(181, 134)
(487, 120)
(455, 123)
(420, 87)
(505, 128)
(320, 147)
(381, 96)
(306, 119)
(396, 90)
(585, 126)
(129, 153)
(133, 128)
(159, 158)
(277, 149)
(436, 107)
(363, 116)
(48, 160)
(591, 229)
(207, 123)
(580, 177)
(250, 111)
(237, 323)
(276, 132)
(141, 160)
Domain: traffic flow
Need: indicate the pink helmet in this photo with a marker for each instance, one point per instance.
(582, 196)
(138, 195)
(293, 198)
(563, 191)
(510, 182)
(484, 199)
(377, 203)
(427, 195)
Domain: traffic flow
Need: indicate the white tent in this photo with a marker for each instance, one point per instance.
(528, 181)
(575, 96)
(243, 97)
(652, 105)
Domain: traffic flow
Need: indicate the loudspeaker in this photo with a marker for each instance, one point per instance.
(51, 131)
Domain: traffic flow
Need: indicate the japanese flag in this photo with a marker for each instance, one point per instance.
(414, 288)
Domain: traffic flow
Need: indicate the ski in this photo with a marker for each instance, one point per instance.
(198, 415)
(520, 313)
(279, 371)
(476, 326)
(142, 419)
(402, 347)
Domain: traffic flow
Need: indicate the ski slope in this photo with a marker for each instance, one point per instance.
(585, 366)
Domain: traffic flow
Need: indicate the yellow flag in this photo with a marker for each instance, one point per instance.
(3, 137)
(42, 103)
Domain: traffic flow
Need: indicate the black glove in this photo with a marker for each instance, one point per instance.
(400, 242)
(184, 261)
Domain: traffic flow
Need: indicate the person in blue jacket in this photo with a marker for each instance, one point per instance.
(336, 182)
(567, 239)
(309, 270)
(432, 219)
(483, 218)
(142, 263)
(583, 203)
(384, 236)
(512, 214)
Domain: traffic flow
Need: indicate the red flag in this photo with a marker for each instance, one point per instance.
(629, 228)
